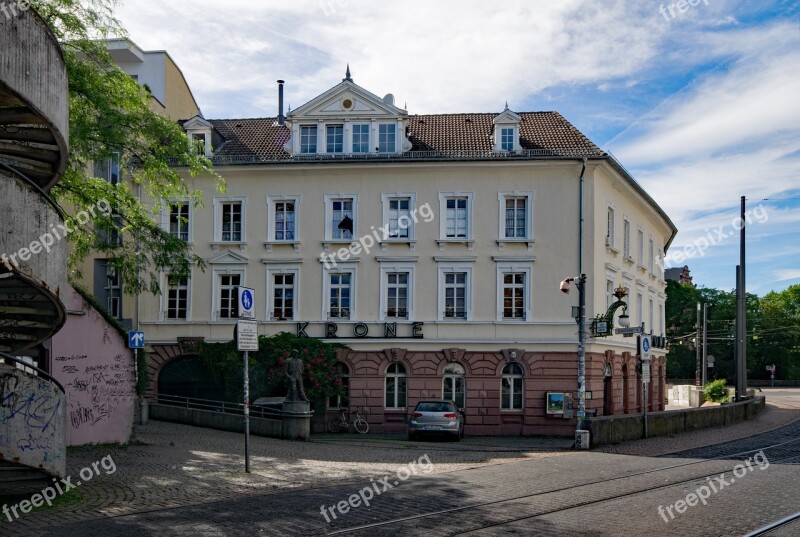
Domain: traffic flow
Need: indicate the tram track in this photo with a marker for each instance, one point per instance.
(775, 453)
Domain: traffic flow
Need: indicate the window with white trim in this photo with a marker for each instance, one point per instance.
(340, 293)
(455, 216)
(283, 285)
(609, 292)
(387, 135)
(454, 384)
(229, 219)
(177, 298)
(340, 217)
(610, 217)
(395, 385)
(113, 291)
(108, 169)
(285, 220)
(456, 287)
(652, 255)
(626, 246)
(361, 138)
(513, 292)
(507, 138)
(227, 295)
(335, 138)
(397, 214)
(639, 309)
(179, 220)
(640, 243)
(511, 388)
(651, 317)
(397, 291)
(308, 139)
(516, 216)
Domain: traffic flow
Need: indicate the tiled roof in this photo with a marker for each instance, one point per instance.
(261, 139)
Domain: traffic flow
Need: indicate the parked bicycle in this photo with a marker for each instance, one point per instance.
(341, 423)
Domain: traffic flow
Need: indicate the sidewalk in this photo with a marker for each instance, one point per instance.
(783, 407)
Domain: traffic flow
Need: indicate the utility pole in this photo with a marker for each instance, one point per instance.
(741, 315)
(705, 344)
(698, 375)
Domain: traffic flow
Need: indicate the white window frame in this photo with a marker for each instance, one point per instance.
(513, 137)
(163, 314)
(218, 203)
(328, 200)
(341, 268)
(443, 238)
(272, 271)
(329, 126)
(369, 138)
(651, 313)
(512, 377)
(395, 132)
(216, 274)
(166, 214)
(271, 229)
(639, 306)
(443, 269)
(386, 198)
(452, 378)
(626, 245)
(525, 268)
(501, 207)
(397, 391)
(385, 269)
(651, 254)
(611, 225)
(300, 139)
(640, 246)
(610, 298)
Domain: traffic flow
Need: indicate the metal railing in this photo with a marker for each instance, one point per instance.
(40, 372)
(224, 407)
(419, 156)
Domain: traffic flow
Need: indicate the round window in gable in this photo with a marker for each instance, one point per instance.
(347, 104)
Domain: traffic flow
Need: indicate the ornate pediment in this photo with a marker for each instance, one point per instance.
(229, 257)
(347, 100)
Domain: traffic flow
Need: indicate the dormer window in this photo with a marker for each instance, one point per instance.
(386, 137)
(361, 138)
(335, 139)
(308, 139)
(506, 131)
(199, 132)
(507, 138)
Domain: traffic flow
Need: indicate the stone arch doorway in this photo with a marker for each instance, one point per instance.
(187, 376)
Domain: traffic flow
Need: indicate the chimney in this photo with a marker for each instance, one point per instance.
(281, 117)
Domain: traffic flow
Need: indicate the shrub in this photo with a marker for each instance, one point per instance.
(716, 391)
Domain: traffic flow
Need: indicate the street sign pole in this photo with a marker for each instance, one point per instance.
(246, 413)
(246, 336)
(643, 351)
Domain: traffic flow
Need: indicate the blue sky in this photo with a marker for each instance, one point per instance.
(701, 105)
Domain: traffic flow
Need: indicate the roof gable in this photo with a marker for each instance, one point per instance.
(346, 99)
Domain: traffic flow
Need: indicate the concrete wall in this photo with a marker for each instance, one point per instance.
(32, 418)
(92, 361)
(214, 420)
(616, 429)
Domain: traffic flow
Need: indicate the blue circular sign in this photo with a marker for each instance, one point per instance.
(247, 299)
(646, 344)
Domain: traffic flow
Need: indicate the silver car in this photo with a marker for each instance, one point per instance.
(436, 417)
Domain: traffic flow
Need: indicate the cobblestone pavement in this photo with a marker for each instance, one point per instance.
(179, 481)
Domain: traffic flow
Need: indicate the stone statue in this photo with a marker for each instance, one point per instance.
(294, 372)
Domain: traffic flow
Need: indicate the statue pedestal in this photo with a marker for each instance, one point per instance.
(296, 420)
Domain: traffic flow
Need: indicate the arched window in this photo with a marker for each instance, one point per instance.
(396, 386)
(342, 373)
(453, 384)
(511, 388)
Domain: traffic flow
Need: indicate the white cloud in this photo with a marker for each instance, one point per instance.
(787, 274)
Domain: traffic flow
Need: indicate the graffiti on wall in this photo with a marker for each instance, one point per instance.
(32, 420)
(96, 390)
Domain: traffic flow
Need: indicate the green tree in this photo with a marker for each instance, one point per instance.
(267, 377)
(110, 114)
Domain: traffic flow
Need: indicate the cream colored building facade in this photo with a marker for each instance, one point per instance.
(433, 246)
